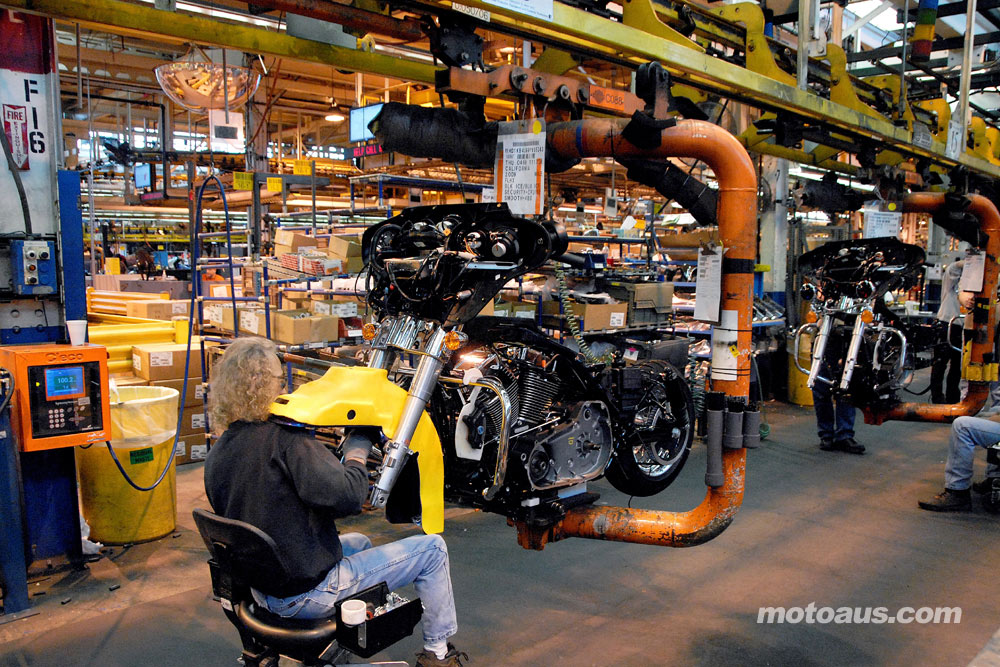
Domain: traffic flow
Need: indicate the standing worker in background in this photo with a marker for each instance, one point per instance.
(292, 487)
(946, 357)
(834, 419)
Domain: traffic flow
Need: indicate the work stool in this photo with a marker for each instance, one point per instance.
(243, 556)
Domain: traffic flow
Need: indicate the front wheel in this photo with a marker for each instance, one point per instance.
(657, 441)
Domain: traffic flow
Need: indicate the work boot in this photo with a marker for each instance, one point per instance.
(949, 500)
(453, 658)
(850, 445)
(827, 444)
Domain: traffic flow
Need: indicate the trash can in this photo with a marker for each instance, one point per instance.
(143, 423)
(798, 391)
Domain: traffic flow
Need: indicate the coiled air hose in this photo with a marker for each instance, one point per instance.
(574, 324)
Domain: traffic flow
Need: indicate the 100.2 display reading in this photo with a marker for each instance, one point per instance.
(64, 382)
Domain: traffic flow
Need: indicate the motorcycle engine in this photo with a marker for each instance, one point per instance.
(558, 440)
(575, 450)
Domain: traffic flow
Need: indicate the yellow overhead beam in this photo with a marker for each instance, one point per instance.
(139, 20)
(575, 27)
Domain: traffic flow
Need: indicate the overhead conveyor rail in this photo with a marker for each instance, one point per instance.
(860, 117)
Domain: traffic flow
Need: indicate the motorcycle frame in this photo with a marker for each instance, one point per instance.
(736, 209)
(979, 366)
(737, 217)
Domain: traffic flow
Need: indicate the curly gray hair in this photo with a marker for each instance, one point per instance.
(244, 383)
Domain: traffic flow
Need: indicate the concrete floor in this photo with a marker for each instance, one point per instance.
(828, 528)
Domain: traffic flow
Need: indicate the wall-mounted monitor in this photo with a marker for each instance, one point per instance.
(142, 174)
(360, 118)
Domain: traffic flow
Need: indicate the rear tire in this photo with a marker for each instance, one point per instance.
(657, 439)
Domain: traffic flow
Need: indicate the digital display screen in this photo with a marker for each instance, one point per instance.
(64, 382)
(143, 175)
(360, 118)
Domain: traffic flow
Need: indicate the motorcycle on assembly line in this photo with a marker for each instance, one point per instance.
(488, 412)
(862, 349)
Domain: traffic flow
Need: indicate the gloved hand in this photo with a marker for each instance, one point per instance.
(356, 446)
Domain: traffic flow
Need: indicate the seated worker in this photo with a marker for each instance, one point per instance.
(292, 487)
(967, 433)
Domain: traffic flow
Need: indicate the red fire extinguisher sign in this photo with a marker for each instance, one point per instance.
(15, 126)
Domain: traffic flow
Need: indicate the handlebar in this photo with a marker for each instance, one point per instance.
(573, 259)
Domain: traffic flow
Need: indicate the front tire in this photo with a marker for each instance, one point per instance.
(657, 440)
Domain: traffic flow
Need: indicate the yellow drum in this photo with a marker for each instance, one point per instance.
(143, 423)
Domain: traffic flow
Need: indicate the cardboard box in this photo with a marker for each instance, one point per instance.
(112, 282)
(176, 289)
(297, 301)
(158, 309)
(593, 316)
(337, 307)
(129, 380)
(596, 316)
(349, 264)
(165, 361)
(295, 327)
(293, 240)
(195, 395)
(191, 449)
(214, 314)
(218, 288)
(344, 245)
(252, 321)
(511, 309)
(193, 422)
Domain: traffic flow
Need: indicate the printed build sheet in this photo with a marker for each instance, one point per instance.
(708, 289)
(519, 171)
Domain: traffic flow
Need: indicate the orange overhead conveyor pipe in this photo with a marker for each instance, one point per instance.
(737, 215)
(981, 366)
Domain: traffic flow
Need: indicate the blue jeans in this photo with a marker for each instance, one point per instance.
(967, 433)
(832, 424)
(421, 560)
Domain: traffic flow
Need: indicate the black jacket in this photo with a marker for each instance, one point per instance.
(290, 486)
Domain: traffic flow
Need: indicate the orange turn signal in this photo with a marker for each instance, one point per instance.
(867, 316)
(454, 340)
(369, 331)
(811, 317)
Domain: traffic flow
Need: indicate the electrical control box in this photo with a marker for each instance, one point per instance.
(33, 267)
(60, 395)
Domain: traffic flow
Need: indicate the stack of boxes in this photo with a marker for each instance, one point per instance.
(347, 249)
(162, 365)
(158, 309)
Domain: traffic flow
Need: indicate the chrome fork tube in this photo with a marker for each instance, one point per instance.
(421, 390)
(852, 351)
(398, 332)
(819, 349)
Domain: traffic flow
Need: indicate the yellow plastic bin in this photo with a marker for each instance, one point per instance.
(143, 423)
(798, 391)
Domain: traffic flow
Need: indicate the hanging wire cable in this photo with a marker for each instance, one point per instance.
(574, 324)
(191, 313)
(15, 172)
